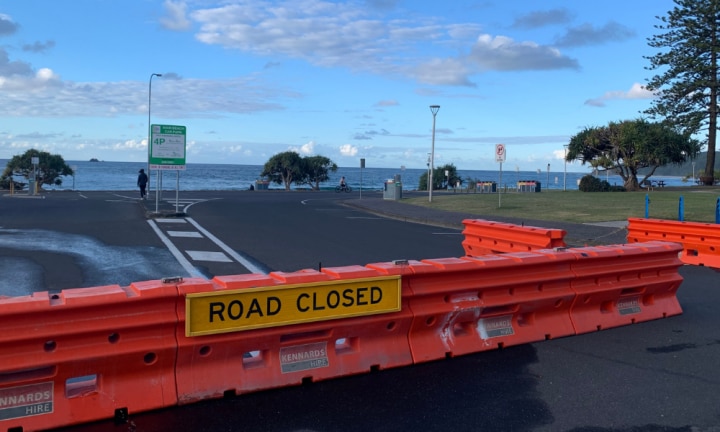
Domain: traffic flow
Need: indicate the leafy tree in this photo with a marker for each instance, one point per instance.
(440, 180)
(316, 169)
(626, 147)
(687, 86)
(284, 168)
(49, 169)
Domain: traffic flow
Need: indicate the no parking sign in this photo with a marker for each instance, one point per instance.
(500, 153)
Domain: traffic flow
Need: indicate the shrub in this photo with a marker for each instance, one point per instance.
(591, 184)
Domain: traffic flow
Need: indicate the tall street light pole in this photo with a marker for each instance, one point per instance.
(433, 109)
(149, 132)
(565, 147)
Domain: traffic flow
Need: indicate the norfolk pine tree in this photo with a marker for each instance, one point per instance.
(687, 84)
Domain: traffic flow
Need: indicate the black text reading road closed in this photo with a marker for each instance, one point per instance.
(305, 302)
(246, 309)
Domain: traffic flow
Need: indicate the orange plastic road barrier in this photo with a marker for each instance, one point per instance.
(700, 241)
(483, 237)
(465, 305)
(86, 354)
(624, 284)
(238, 353)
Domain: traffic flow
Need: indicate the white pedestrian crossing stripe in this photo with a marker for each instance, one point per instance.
(187, 234)
(170, 220)
(208, 256)
(172, 229)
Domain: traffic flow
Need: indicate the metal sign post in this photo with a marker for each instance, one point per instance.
(35, 162)
(500, 157)
(362, 165)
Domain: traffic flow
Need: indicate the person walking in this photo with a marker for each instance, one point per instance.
(142, 183)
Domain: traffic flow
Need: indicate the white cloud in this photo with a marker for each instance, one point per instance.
(306, 149)
(47, 95)
(7, 25)
(176, 18)
(348, 150)
(130, 145)
(347, 35)
(587, 34)
(46, 74)
(637, 91)
(443, 72)
(387, 103)
(501, 53)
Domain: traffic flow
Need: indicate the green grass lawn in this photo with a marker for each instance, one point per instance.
(576, 206)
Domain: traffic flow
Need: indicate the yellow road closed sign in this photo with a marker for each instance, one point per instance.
(252, 308)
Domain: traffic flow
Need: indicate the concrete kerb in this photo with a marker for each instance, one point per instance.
(578, 234)
(24, 196)
(150, 213)
(409, 213)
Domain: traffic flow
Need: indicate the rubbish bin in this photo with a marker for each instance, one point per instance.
(487, 186)
(392, 190)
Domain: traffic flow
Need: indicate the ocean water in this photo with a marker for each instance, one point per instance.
(100, 176)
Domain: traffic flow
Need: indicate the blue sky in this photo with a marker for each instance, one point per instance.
(343, 79)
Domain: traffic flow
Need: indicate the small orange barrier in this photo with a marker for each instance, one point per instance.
(86, 354)
(243, 360)
(483, 237)
(624, 284)
(465, 305)
(700, 241)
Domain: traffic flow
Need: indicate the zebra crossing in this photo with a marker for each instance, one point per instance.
(193, 246)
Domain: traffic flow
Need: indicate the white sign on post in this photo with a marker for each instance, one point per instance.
(167, 147)
(500, 153)
(500, 157)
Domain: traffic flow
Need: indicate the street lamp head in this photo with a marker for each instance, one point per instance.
(434, 109)
(157, 74)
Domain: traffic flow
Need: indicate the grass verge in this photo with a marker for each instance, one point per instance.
(575, 206)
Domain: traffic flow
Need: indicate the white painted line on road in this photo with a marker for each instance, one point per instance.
(247, 264)
(189, 268)
(208, 256)
(170, 220)
(187, 207)
(181, 202)
(186, 234)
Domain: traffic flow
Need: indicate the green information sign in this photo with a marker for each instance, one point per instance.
(167, 147)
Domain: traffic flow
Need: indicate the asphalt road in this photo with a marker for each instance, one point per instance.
(655, 376)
